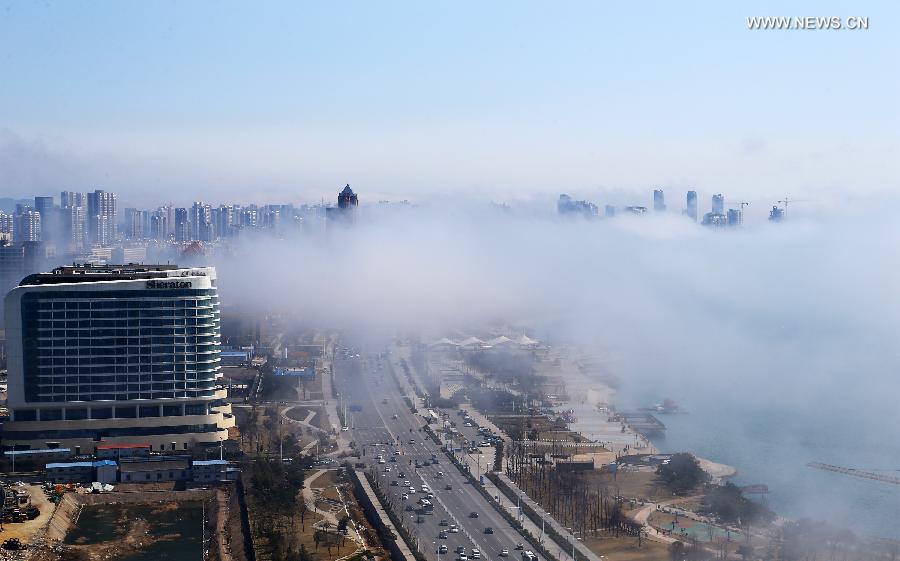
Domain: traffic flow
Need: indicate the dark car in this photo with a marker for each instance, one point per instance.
(473, 514)
(488, 530)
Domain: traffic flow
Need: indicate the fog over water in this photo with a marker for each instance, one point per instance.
(780, 338)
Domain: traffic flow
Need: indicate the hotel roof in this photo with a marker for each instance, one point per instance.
(93, 273)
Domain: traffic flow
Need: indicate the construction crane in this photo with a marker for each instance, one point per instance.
(857, 472)
(743, 204)
(787, 200)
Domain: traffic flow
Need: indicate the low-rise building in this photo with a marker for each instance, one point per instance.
(115, 451)
(213, 470)
(155, 469)
(103, 471)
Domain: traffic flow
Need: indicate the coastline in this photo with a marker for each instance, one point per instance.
(594, 414)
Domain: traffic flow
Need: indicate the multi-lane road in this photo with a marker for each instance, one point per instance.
(382, 423)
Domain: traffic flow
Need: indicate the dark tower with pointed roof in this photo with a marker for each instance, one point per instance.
(347, 198)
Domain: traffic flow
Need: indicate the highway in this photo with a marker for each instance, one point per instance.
(382, 423)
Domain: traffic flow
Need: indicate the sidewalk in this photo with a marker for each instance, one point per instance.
(534, 529)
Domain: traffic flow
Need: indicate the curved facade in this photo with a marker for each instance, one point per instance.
(115, 354)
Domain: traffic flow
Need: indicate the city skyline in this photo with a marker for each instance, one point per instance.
(499, 102)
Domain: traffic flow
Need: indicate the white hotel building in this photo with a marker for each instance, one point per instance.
(115, 355)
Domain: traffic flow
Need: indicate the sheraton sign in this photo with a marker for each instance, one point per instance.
(168, 284)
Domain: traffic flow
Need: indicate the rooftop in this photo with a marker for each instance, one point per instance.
(154, 466)
(92, 273)
(121, 446)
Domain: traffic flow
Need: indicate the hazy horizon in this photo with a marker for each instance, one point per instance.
(195, 101)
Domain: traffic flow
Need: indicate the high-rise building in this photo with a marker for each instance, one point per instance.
(691, 210)
(776, 214)
(134, 224)
(659, 200)
(347, 198)
(714, 219)
(610, 211)
(69, 199)
(735, 217)
(27, 227)
(73, 217)
(567, 206)
(345, 211)
(202, 227)
(115, 354)
(159, 225)
(7, 223)
(182, 225)
(718, 204)
(102, 217)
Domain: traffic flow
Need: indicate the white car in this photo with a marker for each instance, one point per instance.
(476, 554)
(454, 529)
(504, 552)
(463, 557)
(404, 497)
(387, 469)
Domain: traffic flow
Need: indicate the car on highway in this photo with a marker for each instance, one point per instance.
(396, 452)
(442, 549)
(443, 522)
(387, 469)
(462, 557)
(394, 416)
(488, 530)
(412, 490)
(504, 552)
(401, 475)
(412, 440)
(394, 483)
(440, 475)
(476, 554)
(519, 546)
(454, 529)
(448, 487)
(404, 497)
(460, 549)
(473, 514)
(442, 536)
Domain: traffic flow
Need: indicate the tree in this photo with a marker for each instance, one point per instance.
(682, 473)
(304, 510)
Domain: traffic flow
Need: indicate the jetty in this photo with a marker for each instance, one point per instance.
(893, 479)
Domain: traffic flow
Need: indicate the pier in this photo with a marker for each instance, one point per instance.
(856, 473)
(642, 422)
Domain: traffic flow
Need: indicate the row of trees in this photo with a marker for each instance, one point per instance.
(571, 497)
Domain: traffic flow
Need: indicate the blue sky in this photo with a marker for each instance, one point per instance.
(289, 100)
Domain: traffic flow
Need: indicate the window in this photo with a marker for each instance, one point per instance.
(101, 413)
(149, 410)
(51, 415)
(195, 409)
(126, 412)
(172, 410)
(78, 414)
(25, 415)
